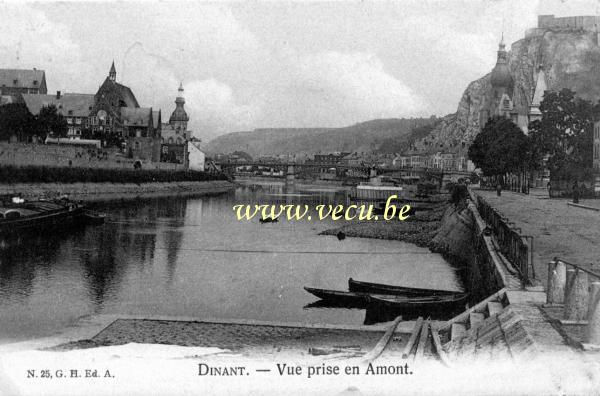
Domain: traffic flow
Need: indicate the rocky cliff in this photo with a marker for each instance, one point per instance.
(570, 59)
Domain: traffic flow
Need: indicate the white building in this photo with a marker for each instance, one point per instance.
(196, 157)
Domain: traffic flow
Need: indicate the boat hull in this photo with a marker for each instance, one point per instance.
(344, 298)
(439, 303)
(61, 217)
(377, 288)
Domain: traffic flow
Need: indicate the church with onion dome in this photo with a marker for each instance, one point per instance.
(500, 100)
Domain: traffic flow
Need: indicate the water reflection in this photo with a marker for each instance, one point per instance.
(191, 257)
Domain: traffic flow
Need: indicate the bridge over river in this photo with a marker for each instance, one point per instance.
(289, 170)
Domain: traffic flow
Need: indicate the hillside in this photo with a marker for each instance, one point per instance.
(362, 137)
(570, 59)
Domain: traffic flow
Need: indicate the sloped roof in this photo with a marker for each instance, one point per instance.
(139, 116)
(124, 92)
(25, 78)
(128, 95)
(73, 104)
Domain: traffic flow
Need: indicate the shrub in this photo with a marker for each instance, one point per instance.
(458, 193)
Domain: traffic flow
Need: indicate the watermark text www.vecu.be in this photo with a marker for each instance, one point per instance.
(336, 212)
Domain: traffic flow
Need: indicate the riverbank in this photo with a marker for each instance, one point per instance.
(418, 229)
(114, 191)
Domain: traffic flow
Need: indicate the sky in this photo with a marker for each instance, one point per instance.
(248, 65)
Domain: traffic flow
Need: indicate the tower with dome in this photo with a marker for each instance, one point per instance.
(175, 134)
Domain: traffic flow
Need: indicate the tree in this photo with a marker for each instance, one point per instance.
(50, 122)
(16, 120)
(500, 148)
(564, 134)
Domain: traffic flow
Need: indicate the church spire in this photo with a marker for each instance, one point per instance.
(180, 98)
(112, 75)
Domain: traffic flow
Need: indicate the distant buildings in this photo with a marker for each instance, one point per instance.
(111, 98)
(329, 159)
(596, 157)
(16, 82)
(141, 130)
(74, 107)
(111, 114)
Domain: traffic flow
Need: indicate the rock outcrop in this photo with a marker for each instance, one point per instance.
(569, 58)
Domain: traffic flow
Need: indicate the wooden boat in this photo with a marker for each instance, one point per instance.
(20, 216)
(353, 298)
(378, 288)
(423, 304)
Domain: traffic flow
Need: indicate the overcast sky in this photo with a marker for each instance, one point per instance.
(247, 66)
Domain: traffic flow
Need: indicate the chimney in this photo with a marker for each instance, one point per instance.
(57, 94)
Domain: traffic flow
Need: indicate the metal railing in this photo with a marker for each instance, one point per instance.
(589, 272)
(516, 247)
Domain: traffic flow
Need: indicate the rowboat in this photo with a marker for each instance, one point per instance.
(356, 298)
(433, 303)
(378, 288)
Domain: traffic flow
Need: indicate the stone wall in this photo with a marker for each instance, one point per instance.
(586, 22)
(22, 154)
(462, 240)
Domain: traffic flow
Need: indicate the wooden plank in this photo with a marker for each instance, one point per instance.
(422, 340)
(438, 347)
(494, 308)
(378, 349)
(413, 338)
(457, 331)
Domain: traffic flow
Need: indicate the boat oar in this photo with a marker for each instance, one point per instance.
(378, 349)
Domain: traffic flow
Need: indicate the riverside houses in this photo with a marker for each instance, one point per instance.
(73, 106)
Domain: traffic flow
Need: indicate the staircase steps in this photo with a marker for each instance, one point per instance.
(494, 308)
(475, 319)
(457, 331)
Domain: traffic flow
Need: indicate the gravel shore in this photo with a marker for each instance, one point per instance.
(418, 229)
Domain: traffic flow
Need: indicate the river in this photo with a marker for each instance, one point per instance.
(191, 257)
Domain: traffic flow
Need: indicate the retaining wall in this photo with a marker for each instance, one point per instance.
(22, 154)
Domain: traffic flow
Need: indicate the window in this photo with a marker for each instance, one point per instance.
(35, 82)
(70, 112)
(15, 82)
(137, 145)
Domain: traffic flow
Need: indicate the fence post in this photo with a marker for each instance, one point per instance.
(557, 278)
(593, 327)
(576, 295)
